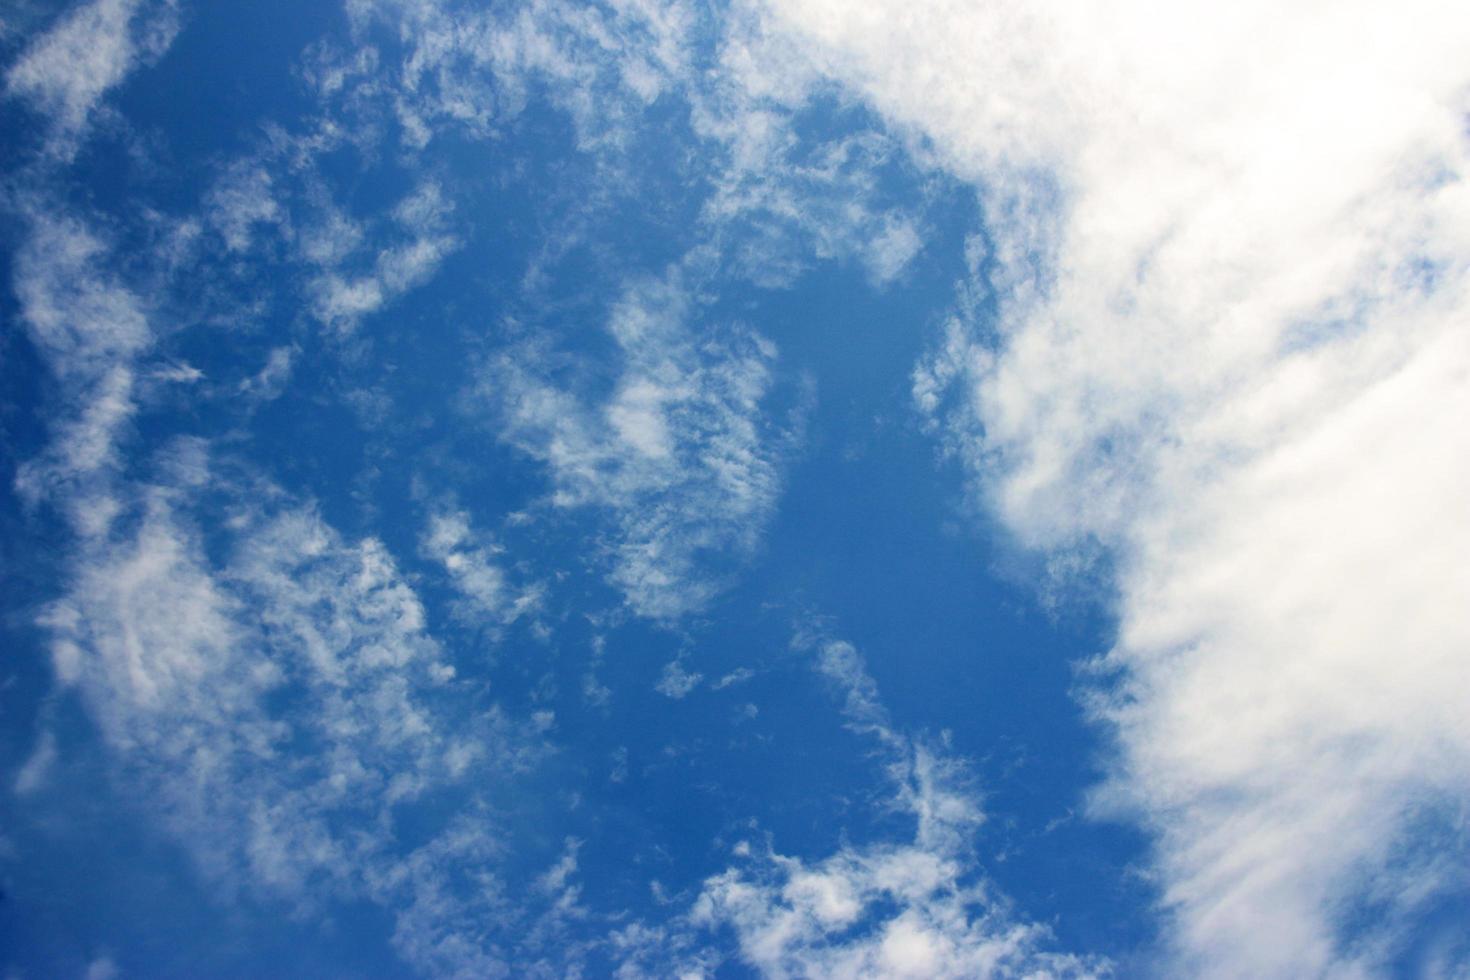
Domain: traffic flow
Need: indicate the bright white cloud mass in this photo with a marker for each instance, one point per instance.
(649, 488)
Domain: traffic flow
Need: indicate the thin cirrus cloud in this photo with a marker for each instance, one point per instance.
(1228, 255)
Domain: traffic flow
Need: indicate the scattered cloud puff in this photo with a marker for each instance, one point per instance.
(84, 319)
(879, 911)
(153, 639)
(678, 455)
(270, 381)
(1230, 276)
(273, 216)
(676, 682)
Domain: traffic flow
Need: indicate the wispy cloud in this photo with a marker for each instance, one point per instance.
(33, 773)
(474, 70)
(779, 200)
(676, 682)
(278, 710)
(274, 706)
(342, 297)
(64, 73)
(91, 330)
(242, 198)
(908, 908)
(102, 968)
(782, 198)
(678, 454)
(475, 567)
(270, 380)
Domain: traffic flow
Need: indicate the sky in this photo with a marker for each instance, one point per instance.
(655, 488)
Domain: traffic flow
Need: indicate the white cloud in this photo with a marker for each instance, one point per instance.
(342, 298)
(276, 710)
(619, 771)
(919, 908)
(37, 767)
(678, 455)
(554, 881)
(782, 199)
(82, 319)
(348, 266)
(1229, 254)
(779, 200)
(893, 249)
(175, 675)
(241, 199)
(270, 381)
(474, 71)
(594, 692)
(676, 682)
(794, 919)
(737, 676)
(102, 968)
(65, 72)
(840, 663)
(330, 239)
(478, 575)
(175, 373)
(90, 329)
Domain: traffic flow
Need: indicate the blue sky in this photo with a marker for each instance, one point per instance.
(667, 489)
